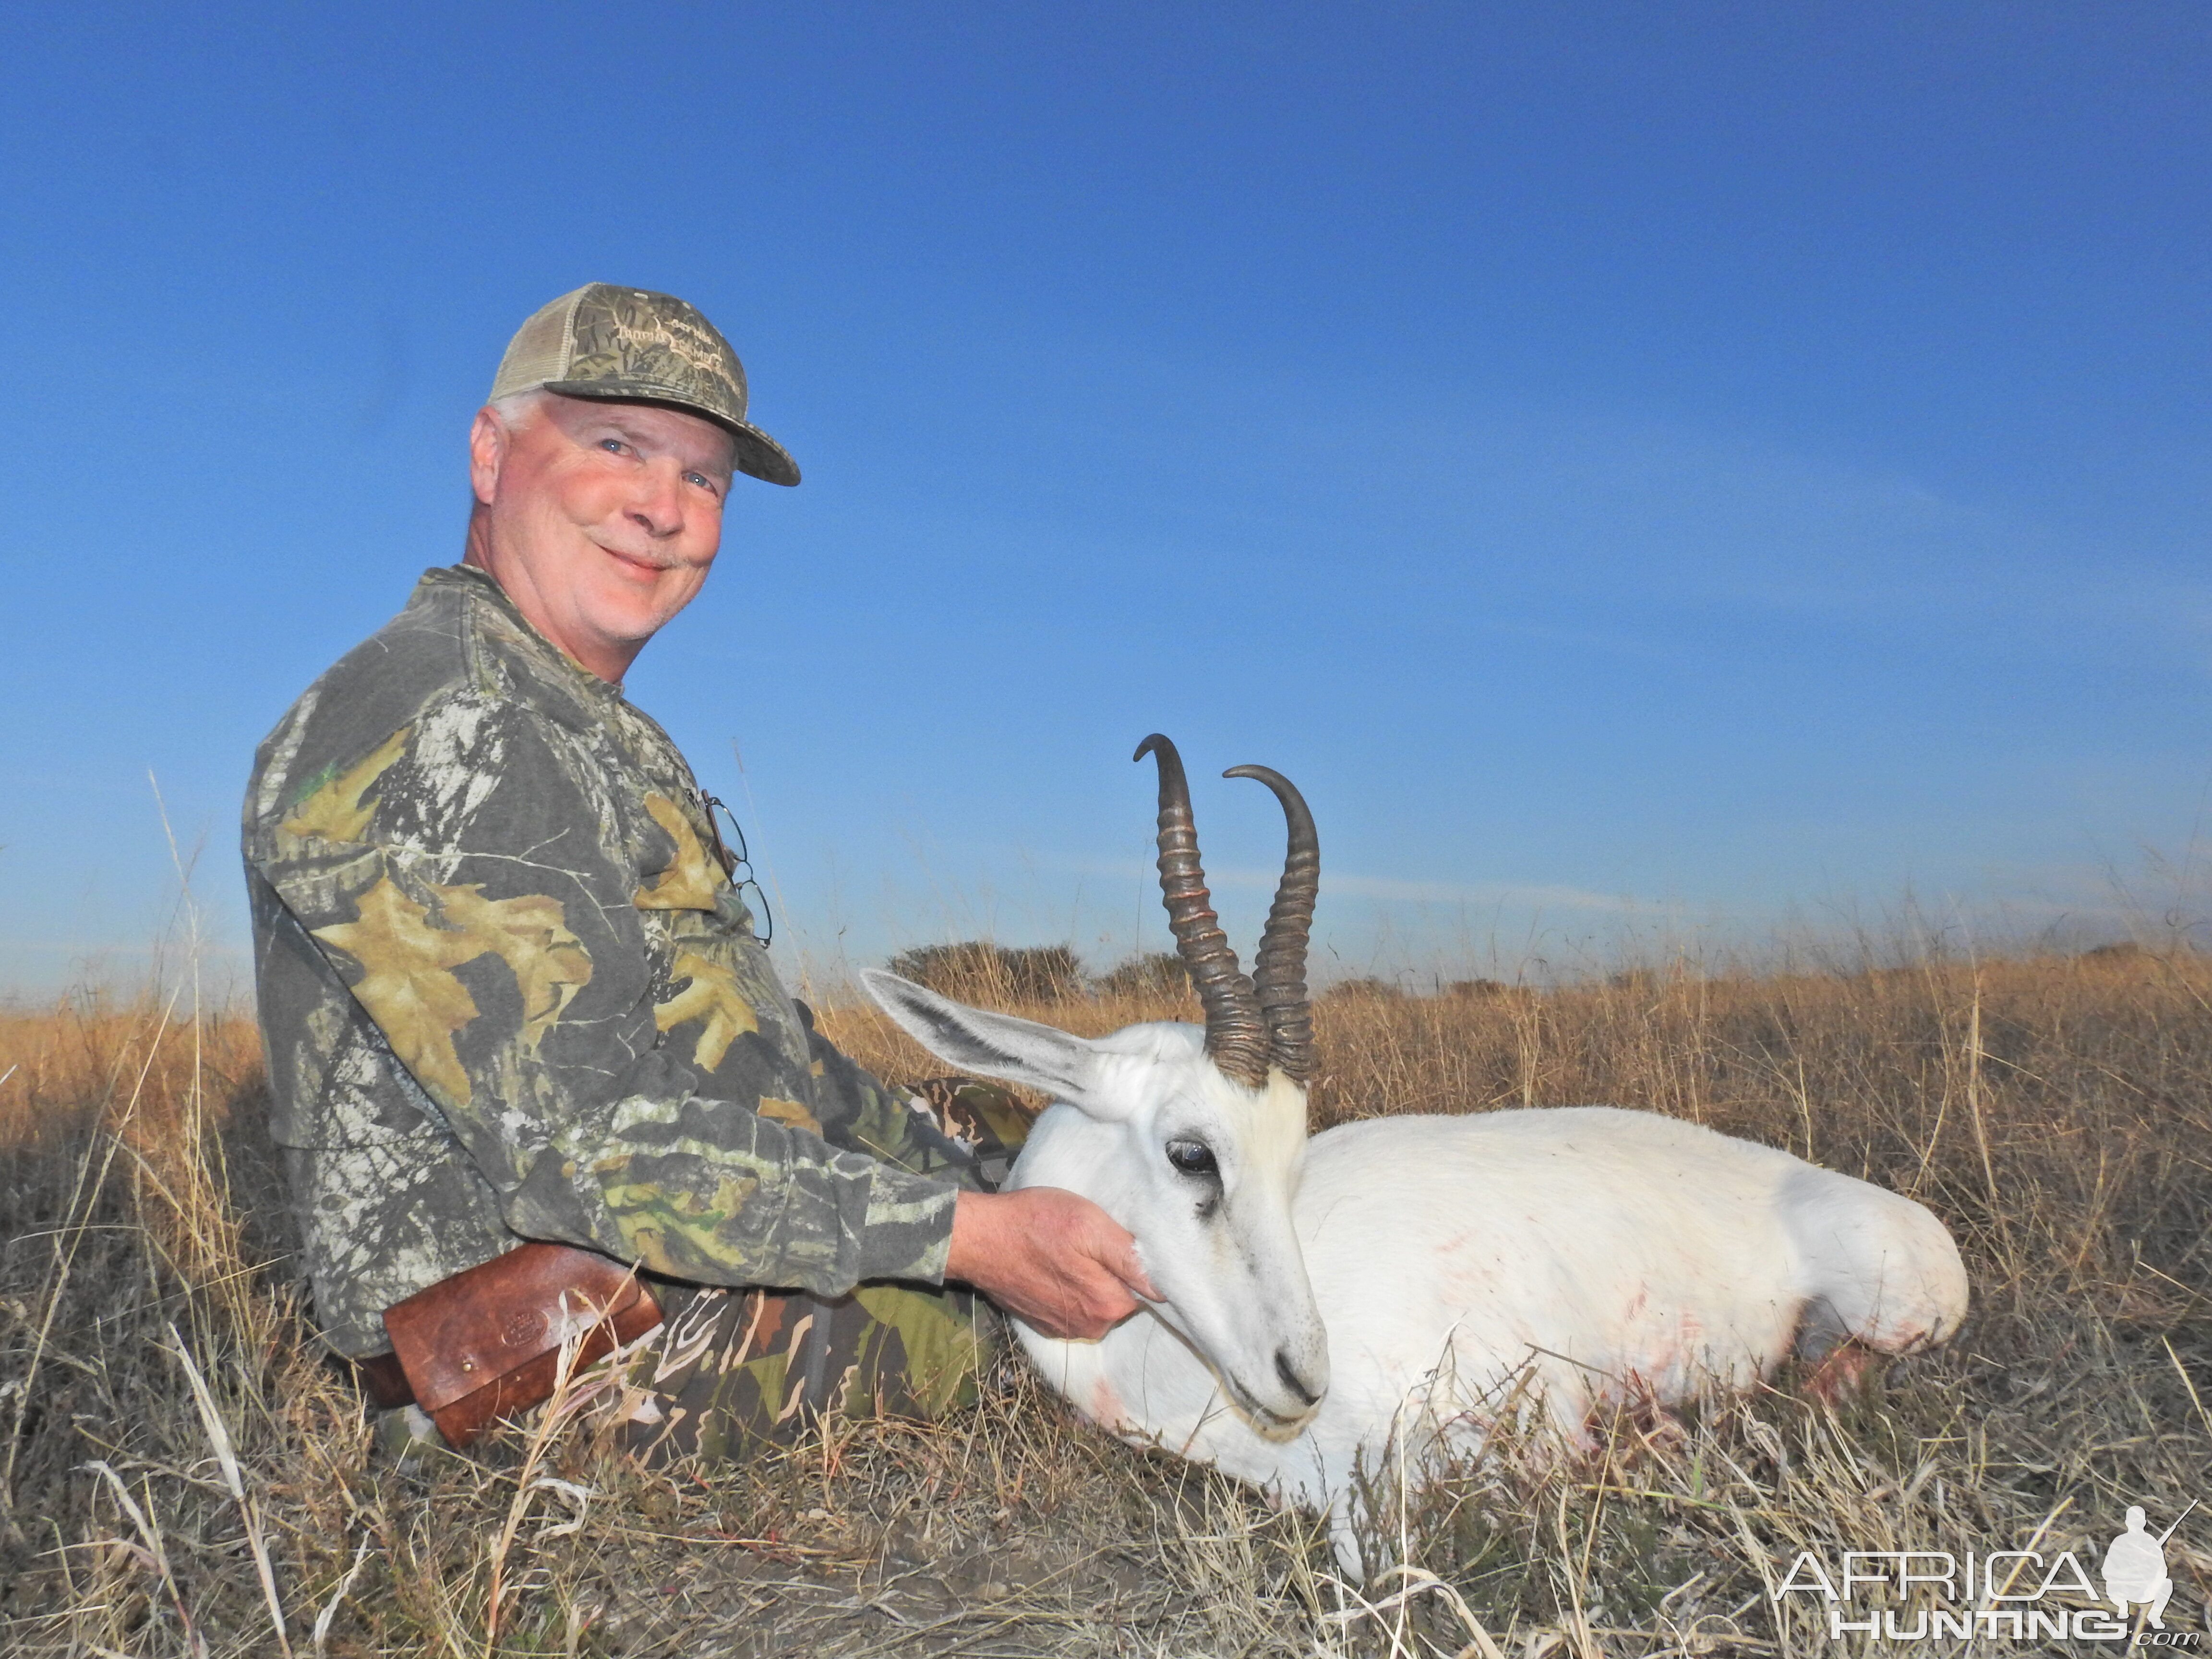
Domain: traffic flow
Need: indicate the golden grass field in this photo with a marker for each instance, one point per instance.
(182, 1473)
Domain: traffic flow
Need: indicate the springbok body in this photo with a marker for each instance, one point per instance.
(1462, 1268)
(1584, 1254)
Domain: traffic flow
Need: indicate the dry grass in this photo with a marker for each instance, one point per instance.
(183, 1474)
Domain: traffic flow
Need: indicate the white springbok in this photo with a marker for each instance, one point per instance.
(1392, 1286)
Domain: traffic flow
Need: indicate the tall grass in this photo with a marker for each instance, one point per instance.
(182, 1474)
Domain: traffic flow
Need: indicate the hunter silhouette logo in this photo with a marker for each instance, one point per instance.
(2135, 1566)
(2015, 1596)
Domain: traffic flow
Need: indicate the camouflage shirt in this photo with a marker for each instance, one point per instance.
(507, 991)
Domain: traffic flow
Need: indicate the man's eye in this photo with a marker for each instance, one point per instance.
(1192, 1158)
(613, 445)
(702, 480)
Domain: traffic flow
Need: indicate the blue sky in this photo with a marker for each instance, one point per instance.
(1637, 467)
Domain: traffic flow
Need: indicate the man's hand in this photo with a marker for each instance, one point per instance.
(1054, 1258)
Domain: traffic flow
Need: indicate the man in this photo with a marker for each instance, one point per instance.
(508, 993)
(2135, 1569)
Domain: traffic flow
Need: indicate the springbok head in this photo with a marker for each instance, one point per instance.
(1193, 1140)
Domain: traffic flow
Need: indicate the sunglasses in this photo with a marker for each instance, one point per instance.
(730, 849)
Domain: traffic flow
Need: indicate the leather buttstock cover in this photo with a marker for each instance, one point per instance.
(486, 1342)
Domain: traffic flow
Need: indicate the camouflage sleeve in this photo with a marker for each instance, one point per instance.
(466, 883)
(863, 1115)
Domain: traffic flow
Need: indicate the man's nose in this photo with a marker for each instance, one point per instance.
(658, 504)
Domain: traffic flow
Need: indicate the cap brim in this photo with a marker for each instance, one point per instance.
(758, 455)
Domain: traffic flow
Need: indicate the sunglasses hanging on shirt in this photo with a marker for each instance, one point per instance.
(737, 864)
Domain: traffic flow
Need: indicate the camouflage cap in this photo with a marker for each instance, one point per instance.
(626, 343)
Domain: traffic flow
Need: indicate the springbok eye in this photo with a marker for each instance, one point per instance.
(1192, 1158)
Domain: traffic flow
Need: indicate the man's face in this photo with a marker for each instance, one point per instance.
(601, 518)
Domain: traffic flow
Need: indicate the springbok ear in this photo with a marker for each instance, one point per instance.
(995, 1045)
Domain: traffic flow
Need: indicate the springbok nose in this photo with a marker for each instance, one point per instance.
(1298, 1385)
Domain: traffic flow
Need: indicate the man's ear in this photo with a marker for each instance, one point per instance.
(488, 441)
(994, 1045)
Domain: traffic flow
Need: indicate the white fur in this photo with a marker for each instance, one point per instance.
(1221, 1252)
(1544, 1262)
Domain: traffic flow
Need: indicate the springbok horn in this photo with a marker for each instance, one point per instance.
(1235, 1035)
(1279, 972)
